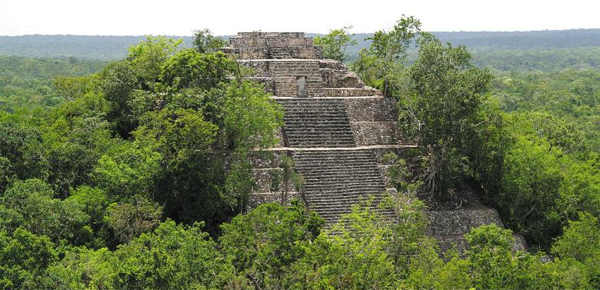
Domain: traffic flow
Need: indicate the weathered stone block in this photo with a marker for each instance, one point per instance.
(271, 45)
(375, 133)
(460, 222)
(371, 109)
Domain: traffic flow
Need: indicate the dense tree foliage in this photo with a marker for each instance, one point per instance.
(276, 247)
(163, 133)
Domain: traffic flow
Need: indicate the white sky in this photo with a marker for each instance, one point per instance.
(181, 17)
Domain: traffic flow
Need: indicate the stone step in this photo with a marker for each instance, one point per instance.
(352, 172)
(325, 166)
(315, 142)
(321, 105)
(354, 153)
(331, 203)
(302, 129)
(339, 210)
(312, 132)
(341, 195)
(320, 145)
(333, 217)
(343, 182)
(316, 123)
(336, 214)
(316, 119)
(334, 162)
(334, 180)
(329, 164)
(316, 136)
(289, 116)
(325, 109)
(337, 192)
(347, 183)
(340, 192)
(308, 101)
(308, 134)
(347, 154)
(320, 108)
(331, 153)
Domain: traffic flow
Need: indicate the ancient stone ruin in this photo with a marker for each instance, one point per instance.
(335, 130)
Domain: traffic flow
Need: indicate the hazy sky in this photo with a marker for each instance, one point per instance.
(181, 17)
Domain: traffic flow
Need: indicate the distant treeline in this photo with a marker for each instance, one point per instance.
(550, 39)
(78, 46)
(115, 47)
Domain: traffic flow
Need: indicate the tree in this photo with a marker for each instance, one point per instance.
(24, 258)
(30, 204)
(118, 82)
(490, 257)
(557, 131)
(205, 42)
(75, 138)
(190, 69)
(127, 170)
(264, 243)
(382, 64)
(136, 216)
(250, 117)
(335, 43)
(441, 107)
(170, 257)
(580, 244)
(21, 153)
(148, 57)
(530, 189)
(190, 175)
(94, 201)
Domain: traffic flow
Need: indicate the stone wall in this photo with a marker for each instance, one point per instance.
(273, 45)
(373, 121)
(336, 75)
(449, 227)
(281, 76)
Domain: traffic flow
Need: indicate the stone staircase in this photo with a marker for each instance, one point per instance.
(337, 175)
(316, 123)
(337, 179)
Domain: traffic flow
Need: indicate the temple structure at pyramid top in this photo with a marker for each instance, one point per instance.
(273, 45)
(291, 66)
